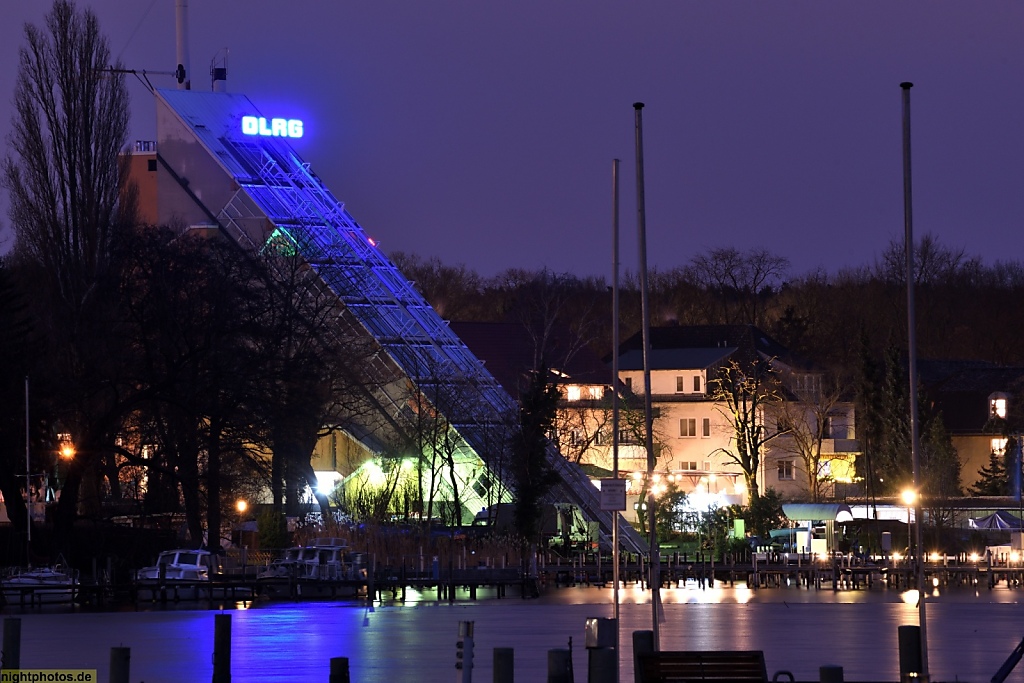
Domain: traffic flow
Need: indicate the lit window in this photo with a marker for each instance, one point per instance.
(572, 392)
(688, 426)
(595, 393)
(999, 407)
(785, 470)
(999, 446)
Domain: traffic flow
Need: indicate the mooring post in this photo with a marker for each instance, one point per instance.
(830, 673)
(120, 663)
(504, 665)
(339, 670)
(10, 658)
(643, 642)
(222, 648)
(910, 652)
(559, 666)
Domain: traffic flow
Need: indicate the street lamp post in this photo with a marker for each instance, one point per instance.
(909, 497)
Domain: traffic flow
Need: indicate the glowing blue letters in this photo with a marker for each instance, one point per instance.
(277, 128)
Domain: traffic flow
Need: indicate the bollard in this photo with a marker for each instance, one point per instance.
(643, 642)
(602, 665)
(910, 652)
(120, 661)
(11, 655)
(339, 670)
(222, 648)
(830, 673)
(560, 666)
(504, 665)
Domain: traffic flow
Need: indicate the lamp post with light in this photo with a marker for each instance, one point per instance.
(65, 452)
(909, 497)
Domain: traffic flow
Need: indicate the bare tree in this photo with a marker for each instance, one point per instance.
(743, 392)
(70, 203)
(738, 284)
(805, 420)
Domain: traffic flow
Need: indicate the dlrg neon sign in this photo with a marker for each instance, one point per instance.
(278, 128)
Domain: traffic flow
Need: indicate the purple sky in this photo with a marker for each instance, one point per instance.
(484, 132)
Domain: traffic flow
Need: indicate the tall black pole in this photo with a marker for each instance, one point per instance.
(915, 446)
(655, 563)
(28, 486)
(615, 387)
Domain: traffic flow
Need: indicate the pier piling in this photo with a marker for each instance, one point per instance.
(504, 665)
(11, 655)
(120, 664)
(339, 670)
(222, 648)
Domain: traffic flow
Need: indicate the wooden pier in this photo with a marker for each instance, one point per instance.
(394, 580)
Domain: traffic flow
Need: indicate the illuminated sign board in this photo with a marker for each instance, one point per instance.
(277, 128)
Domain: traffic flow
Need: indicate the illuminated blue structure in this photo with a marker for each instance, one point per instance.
(256, 189)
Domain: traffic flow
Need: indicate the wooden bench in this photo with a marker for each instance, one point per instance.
(701, 665)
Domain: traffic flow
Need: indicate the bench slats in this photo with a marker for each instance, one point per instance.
(679, 666)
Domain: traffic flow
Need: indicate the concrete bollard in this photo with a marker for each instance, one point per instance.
(560, 666)
(11, 655)
(120, 663)
(504, 665)
(910, 652)
(643, 642)
(339, 670)
(222, 648)
(830, 673)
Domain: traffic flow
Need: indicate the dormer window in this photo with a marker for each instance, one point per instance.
(997, 405)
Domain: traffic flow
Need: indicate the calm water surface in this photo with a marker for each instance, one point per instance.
(970, 634)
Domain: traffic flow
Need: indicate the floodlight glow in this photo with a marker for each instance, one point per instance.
(277, 128)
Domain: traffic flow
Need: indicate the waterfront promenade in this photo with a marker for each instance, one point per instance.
(971, 632)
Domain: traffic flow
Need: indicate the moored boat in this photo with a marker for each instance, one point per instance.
(323, 568)
(40, 585)
(179, 574)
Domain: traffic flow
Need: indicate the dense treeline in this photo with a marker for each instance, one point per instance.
(965, 309)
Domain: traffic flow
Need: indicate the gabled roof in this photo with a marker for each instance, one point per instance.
(507, 350)
(676, 359)
(745, 343)
(962, 392)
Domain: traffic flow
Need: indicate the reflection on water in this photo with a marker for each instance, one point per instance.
(970, 633)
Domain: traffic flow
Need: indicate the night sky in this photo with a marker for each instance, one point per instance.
(483, 132)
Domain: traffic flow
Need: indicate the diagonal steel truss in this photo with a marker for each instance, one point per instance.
(277, 187)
